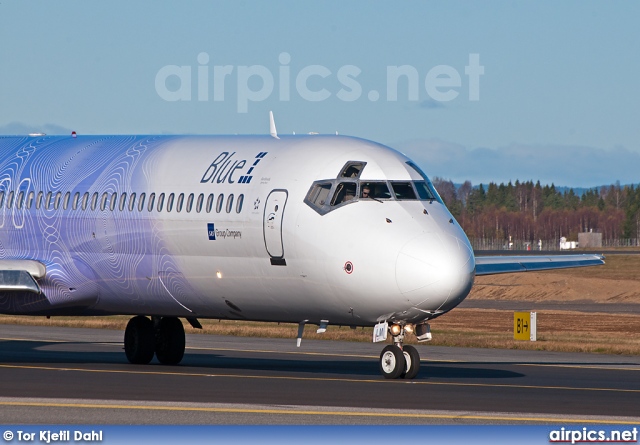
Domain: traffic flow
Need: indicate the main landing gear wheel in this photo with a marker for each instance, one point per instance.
(412, 359)
(169, 341)
(139, 340)
(392, 362)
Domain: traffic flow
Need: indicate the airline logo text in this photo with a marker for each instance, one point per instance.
(224, 169)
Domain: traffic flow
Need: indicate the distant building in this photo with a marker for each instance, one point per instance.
(566, 245)
(589, 239)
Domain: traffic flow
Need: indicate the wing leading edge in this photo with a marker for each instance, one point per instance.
(489, 265)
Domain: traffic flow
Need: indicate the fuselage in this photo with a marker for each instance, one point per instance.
(230, 227)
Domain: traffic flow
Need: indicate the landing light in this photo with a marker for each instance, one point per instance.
(219, 274)
(395, 329)
(408, 329)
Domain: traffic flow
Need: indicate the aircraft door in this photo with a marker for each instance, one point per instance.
(272, 225)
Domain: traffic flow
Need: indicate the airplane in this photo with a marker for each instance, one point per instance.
(308, 229)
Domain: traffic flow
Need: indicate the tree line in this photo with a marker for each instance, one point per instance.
(528, 211)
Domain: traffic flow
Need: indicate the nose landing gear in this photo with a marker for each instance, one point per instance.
(398, 360)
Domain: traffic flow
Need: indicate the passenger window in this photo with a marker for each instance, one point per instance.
(377, 190)
(141, 202)
(19, 200)
(123, 200)
(219, 203)
(190, 202)
(85, 200)
(229, 203)
(113, 202)
(319, 194)
(152, 199)
(239, 204)
(1, 198)
(345, 192)
(29, 200)
(179, 203)
(76, 200)
(47, 200)
(170, 202)
(209, 203)
(132, 202)
(94, 201)
(65, 203)
(199, 204)
(56, 204)
(403, 190)
(103, 201)
(10, 200)
(38, 199)
(352, 170)
(160, 202)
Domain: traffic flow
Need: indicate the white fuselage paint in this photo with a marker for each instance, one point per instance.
(408, 260)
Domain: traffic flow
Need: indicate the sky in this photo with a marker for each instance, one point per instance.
(480, 91)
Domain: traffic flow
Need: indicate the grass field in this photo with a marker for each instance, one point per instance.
(617, 267)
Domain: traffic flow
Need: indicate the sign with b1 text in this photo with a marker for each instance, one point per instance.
(524, 326)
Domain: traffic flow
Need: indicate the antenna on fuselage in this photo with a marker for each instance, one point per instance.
(272, 126)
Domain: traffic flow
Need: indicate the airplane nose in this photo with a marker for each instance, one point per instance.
(435, 271)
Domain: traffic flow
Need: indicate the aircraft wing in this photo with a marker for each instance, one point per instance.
(489, 265)
(21, 275)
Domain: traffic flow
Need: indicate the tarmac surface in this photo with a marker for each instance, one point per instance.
(51, 375)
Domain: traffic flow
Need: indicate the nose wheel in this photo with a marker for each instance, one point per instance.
(397, 361)
(412, 360)
(392, 362)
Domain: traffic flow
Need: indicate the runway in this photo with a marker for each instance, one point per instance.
(81, 376)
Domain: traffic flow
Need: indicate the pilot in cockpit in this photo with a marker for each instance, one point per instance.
(366, 192)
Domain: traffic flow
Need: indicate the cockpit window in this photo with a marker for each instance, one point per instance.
(430, 187)
(352, 170)
(377, 190)
(319, 194)
(418, 170)
(403, 190)
(345, 192)
(328, 194)
(423, 190)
